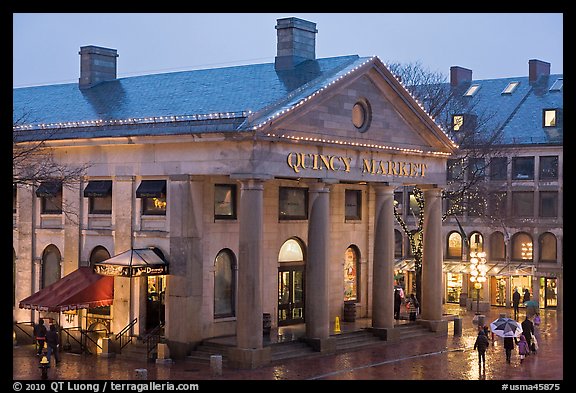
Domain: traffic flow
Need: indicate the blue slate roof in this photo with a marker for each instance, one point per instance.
(236, 91)
(519, 115)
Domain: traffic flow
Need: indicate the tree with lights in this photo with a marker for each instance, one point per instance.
(478, 144)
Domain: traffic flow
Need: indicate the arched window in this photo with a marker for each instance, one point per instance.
(522, 247)
(548, 247)
(225, 284)
(51, 258)
(476, 242)
(397, 243)
(351, 273)
(454, 250)
(98, 254)
(497, 246)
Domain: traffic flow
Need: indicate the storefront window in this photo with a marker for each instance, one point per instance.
(498, 290)
(551, 292)
(351, 274)
(521, 283)
(522, 247)
(454, 287)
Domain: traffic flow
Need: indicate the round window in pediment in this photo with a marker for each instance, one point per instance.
(361, 115)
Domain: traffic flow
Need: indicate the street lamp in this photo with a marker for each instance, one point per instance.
(477, 274)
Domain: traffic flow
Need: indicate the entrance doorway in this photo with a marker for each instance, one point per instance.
(291, 283)
(155, 301)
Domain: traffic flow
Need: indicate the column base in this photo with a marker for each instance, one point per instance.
(386, 334)
(321, 344)
(248, 358)
(440, 327)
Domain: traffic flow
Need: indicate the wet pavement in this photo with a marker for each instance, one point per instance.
(447, 357)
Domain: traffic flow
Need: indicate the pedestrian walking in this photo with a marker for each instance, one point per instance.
(40, 335)
(509, 344)
(53, 342)
(516, 302)
(523, 348)
(481, 344)
(397, 304)
(528, 331)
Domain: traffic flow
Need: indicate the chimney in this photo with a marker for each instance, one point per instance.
(459, 75)
(97, 65)
(537, 68)
(296, 42)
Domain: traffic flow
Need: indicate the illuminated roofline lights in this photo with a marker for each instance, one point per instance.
(357, 144)
(133, 120)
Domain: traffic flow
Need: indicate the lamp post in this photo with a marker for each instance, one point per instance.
(477, 274)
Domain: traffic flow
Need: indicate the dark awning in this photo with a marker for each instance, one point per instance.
(133, 263)
(151, 189)
(98, 188)
(49, 188)
(80, 289)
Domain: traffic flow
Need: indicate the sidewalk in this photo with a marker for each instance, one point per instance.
(430, 358)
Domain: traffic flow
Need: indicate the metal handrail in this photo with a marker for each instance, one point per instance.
(123, 334)
(152, 338)
(16, 324)
(84, 337)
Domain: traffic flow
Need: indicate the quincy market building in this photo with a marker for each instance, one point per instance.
(267, 188)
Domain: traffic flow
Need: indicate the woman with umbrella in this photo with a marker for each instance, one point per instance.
(509, 329)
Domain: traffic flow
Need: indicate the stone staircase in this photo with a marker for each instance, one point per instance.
(346, 341)
(136, 350)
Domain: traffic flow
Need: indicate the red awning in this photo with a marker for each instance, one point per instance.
(80, 289)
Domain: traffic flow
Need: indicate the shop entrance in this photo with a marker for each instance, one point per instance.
(291, 283)
(155, 301)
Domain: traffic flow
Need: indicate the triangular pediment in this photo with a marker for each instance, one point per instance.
(393, 120)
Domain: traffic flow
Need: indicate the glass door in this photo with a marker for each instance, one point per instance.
(290, 295)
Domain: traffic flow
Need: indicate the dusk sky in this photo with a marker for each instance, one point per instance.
(46, 46)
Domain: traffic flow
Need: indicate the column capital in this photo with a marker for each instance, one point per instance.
(251, 184)
(382, 188)
(123, 178)
(318, 185)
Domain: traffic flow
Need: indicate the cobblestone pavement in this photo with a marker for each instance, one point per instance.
(446, 357)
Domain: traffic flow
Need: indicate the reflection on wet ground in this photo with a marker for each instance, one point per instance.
(422, 358)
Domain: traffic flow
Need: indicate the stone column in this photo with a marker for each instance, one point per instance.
(431, 303)
(26, 265)
(72, 199)
(383, 265)
(122, 206)
(249, 352)
(317, 269)
(185, 283)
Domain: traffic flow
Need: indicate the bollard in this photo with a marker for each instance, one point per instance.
(457, 326)
(216, 365)
(140, 373)
(44, 366)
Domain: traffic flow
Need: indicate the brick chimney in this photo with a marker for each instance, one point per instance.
(459, 75)
(296, 42)
(537, 68)
(97, 65)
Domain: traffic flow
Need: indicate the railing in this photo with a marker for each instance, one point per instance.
(17, 325)
(152, 339)
(124, 336)
(84, 337)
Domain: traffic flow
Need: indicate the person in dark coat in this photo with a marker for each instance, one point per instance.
(397, 304)
(526, 295)
(508, 347)
(516, 302)
(528, 330)
(40, 335)
(481, 345)
(53, 342)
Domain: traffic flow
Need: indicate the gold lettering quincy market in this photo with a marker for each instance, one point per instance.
(394, 168)
(302, 161)
(308, 161)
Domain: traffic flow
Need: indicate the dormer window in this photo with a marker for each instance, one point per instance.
(463, 122)
(510, 88)
(471, 90)
(550, 117)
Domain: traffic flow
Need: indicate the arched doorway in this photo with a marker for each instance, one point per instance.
(291, 283)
